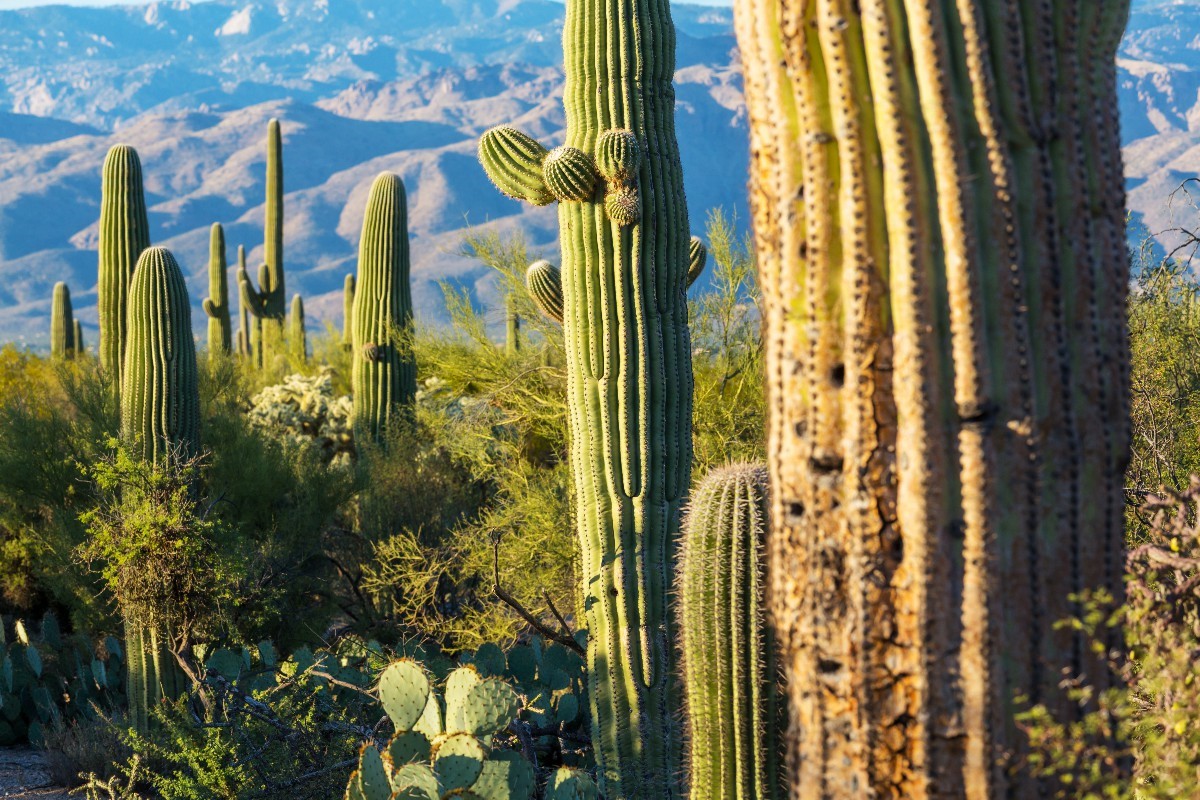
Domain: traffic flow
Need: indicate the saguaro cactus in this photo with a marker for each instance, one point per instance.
(62, 323)
(216, 305)
(297, 336)
(729, 671)
(268, 304)
(348, 312)
(385, 371)
(544, 282)
(124, 234)
(938, 205)
(697, 258)
(248, 326)
(512, 326)
(77, 338)
(623, 228)
(160, 399)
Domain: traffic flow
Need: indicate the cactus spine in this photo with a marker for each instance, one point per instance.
(62, 323)
(728, 669)
(297, 336)
(124, 234)
(348, 312)
(938, 205)
(629, 375)
(267, 303)
(216, 305)
(385, 371)
(160, 400)
(512, 326)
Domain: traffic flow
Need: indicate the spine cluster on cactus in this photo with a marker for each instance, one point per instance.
(124, 234)
(348, 311)
(216, 305)
(623, 280)
(62, 323)
(938, 203)
(160, 399)
(267, 303)
(729, 671)
(297, 335)
(384, 369)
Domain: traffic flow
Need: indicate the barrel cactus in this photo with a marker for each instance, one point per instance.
(216, 305)
(385, 372)
(937, 195)
(62, 323)
(160, 400)
(267, 303)
(442, 747)
(544, 282)
(625, 325)
(297, 334)
(348, 312)
(729, 671)
(124, 234)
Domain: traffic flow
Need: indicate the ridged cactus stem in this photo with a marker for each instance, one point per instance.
(62, 323)
(77, 343)
(268, 302)
(385, 371)
(124, 234)
(246, 323)
(348, 312)
(512, 326)
(160, 399)
(629, 375)
(730, 675)
(938, 205)
(152, 675)
(297, 335)
(216, 305)
(544, 282)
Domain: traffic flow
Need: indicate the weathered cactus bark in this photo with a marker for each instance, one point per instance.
(938, 204)
(216, 305)
(623, 229)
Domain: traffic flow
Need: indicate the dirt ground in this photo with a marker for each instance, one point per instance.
(23, 775)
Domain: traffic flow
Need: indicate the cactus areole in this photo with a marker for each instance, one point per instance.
(629, 371)
(938, 207)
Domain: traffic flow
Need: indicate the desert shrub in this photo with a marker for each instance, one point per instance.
(86, 746)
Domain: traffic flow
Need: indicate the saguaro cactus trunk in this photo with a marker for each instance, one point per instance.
(62, 323)
(938, 204)
(124, 234)
(624, 238)
(268, 304)
(216, 305)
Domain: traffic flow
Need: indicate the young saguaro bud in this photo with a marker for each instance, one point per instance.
(544, 282)
(618, 156)
(570, 174)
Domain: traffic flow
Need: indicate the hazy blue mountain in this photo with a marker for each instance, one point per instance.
(368, 85)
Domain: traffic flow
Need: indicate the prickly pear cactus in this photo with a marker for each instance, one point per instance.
(267, 303)
(623, 230)
(442, 746)
(124, 234)
(216, 305)
(62, 323)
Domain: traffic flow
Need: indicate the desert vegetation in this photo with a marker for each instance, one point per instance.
(891, 498)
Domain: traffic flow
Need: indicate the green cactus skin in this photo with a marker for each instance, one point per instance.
(618, 156)
(697, 259)
(512, 326)
(385, 371)
(729, 671)
(297, 336)
(247, 325)
(544, 282)
(629, 379)
(62, 323)
(77, 343)
(348, 312)
(570, 174)
(267, 303)
(160, 400)
(216, 305)
(151, 674)
(514, 163)
(124, 234)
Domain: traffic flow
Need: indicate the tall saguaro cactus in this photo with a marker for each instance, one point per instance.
(938, 204)
(124, 234)
(267, 303)
(62, 323)
(384, 374)
(623, 228)
(216, 305)
(348, 311)
(729, 670)
(297, 335)
(77, 338)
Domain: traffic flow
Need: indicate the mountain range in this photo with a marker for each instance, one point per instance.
(363, 86)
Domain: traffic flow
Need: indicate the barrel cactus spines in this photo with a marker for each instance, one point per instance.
(77, 343)
(629, 374)
(697, 259)
(160, 399)
(385, 371)
(124, 234)
(514, 162)
(729, 672)
(297, 335)
(348, 312)
(268, 303)
(216, 305)
(544, 282)
(937, 195)
(62, 323)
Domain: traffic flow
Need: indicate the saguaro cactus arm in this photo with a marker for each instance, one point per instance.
(697, 259)
(544, 282)
(348, 311)
(514, 161)
(216, 305)
(62, 323)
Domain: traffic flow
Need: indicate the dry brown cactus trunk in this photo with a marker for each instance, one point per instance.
(939, 210)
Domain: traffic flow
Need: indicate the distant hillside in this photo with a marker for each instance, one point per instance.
(368, 85)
